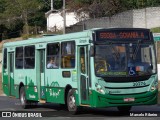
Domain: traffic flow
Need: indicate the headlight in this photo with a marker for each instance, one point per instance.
(99, 88)
(154, 86)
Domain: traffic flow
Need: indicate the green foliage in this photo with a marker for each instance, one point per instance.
(18, 14)
(156, 30)
(25, 36)
(138, 4)
(2, 6)
(58, 4)
(37, 19)
(102, 8)
(14, 14)
(85, 1)
(21, 9)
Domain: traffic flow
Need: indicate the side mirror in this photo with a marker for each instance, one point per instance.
(92, 52)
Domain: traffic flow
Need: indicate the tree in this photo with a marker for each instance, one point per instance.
(21, 9)
(57, 4)
(102, 8)
(2, 6)
(2, 9)
(138, 4)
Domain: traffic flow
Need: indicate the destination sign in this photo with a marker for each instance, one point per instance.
(122, 35)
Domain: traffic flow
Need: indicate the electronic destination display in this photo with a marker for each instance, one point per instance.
(104, 35)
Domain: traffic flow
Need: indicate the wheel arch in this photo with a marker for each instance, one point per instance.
(66, 90)
(20, 85)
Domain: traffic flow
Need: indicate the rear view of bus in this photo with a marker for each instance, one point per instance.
(125, 68)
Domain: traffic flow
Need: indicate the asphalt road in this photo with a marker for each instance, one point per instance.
(55, 111)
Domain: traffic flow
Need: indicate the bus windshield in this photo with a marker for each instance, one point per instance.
(133, 59)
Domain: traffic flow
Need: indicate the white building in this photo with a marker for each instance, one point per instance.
(55, 20)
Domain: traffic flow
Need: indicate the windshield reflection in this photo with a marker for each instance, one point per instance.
(125, 59)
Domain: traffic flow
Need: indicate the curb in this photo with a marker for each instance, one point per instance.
(2, 95)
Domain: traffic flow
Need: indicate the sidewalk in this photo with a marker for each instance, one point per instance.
(2, 94)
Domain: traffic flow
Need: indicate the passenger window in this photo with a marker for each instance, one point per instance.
(5, 58)
(19, 58)
(68, 54)
(29, 57)
(53, 55)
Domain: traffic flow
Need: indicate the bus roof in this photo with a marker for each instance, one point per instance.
(69, 36)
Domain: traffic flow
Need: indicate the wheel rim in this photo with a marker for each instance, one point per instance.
(72, 102)
(22, 99)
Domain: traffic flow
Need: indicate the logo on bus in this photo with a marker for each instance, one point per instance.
(32, 96)
(54, 94)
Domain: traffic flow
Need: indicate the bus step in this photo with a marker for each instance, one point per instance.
(84, 105)
(42, 101)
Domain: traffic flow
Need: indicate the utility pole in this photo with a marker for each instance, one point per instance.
(51, 4)
(64, 18)
(48, 13)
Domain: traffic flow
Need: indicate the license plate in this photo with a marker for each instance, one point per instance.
(129, 99)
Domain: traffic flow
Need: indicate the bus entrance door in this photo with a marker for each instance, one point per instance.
(84, 80)
(11, 73)
(41, 75)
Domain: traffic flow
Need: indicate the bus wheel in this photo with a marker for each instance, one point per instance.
(71, 102)
(24, 102)
(124, 109)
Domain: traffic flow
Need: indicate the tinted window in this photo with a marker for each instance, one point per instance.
(5, 58)
(19, 58)
(29, 57)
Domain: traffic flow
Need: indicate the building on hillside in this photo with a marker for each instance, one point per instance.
(139, 18)
(55, 20)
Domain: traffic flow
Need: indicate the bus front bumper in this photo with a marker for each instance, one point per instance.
(107, 100)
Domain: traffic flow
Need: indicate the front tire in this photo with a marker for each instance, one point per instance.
(71, 102)
(24, 103)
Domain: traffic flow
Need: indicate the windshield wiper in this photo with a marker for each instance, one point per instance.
(136, 50)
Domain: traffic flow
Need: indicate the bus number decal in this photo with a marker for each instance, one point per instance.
(141, 83)
(11, 48)
(83, 41)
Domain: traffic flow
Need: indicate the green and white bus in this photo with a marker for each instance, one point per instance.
(114, 67)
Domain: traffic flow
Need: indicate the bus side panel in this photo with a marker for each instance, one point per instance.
(55, 95)
(54, 89)
(16, 90)
(27, 77)
(31, 94)
(5, 83)
(18, 78)
(31, 84)
(56, 83)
